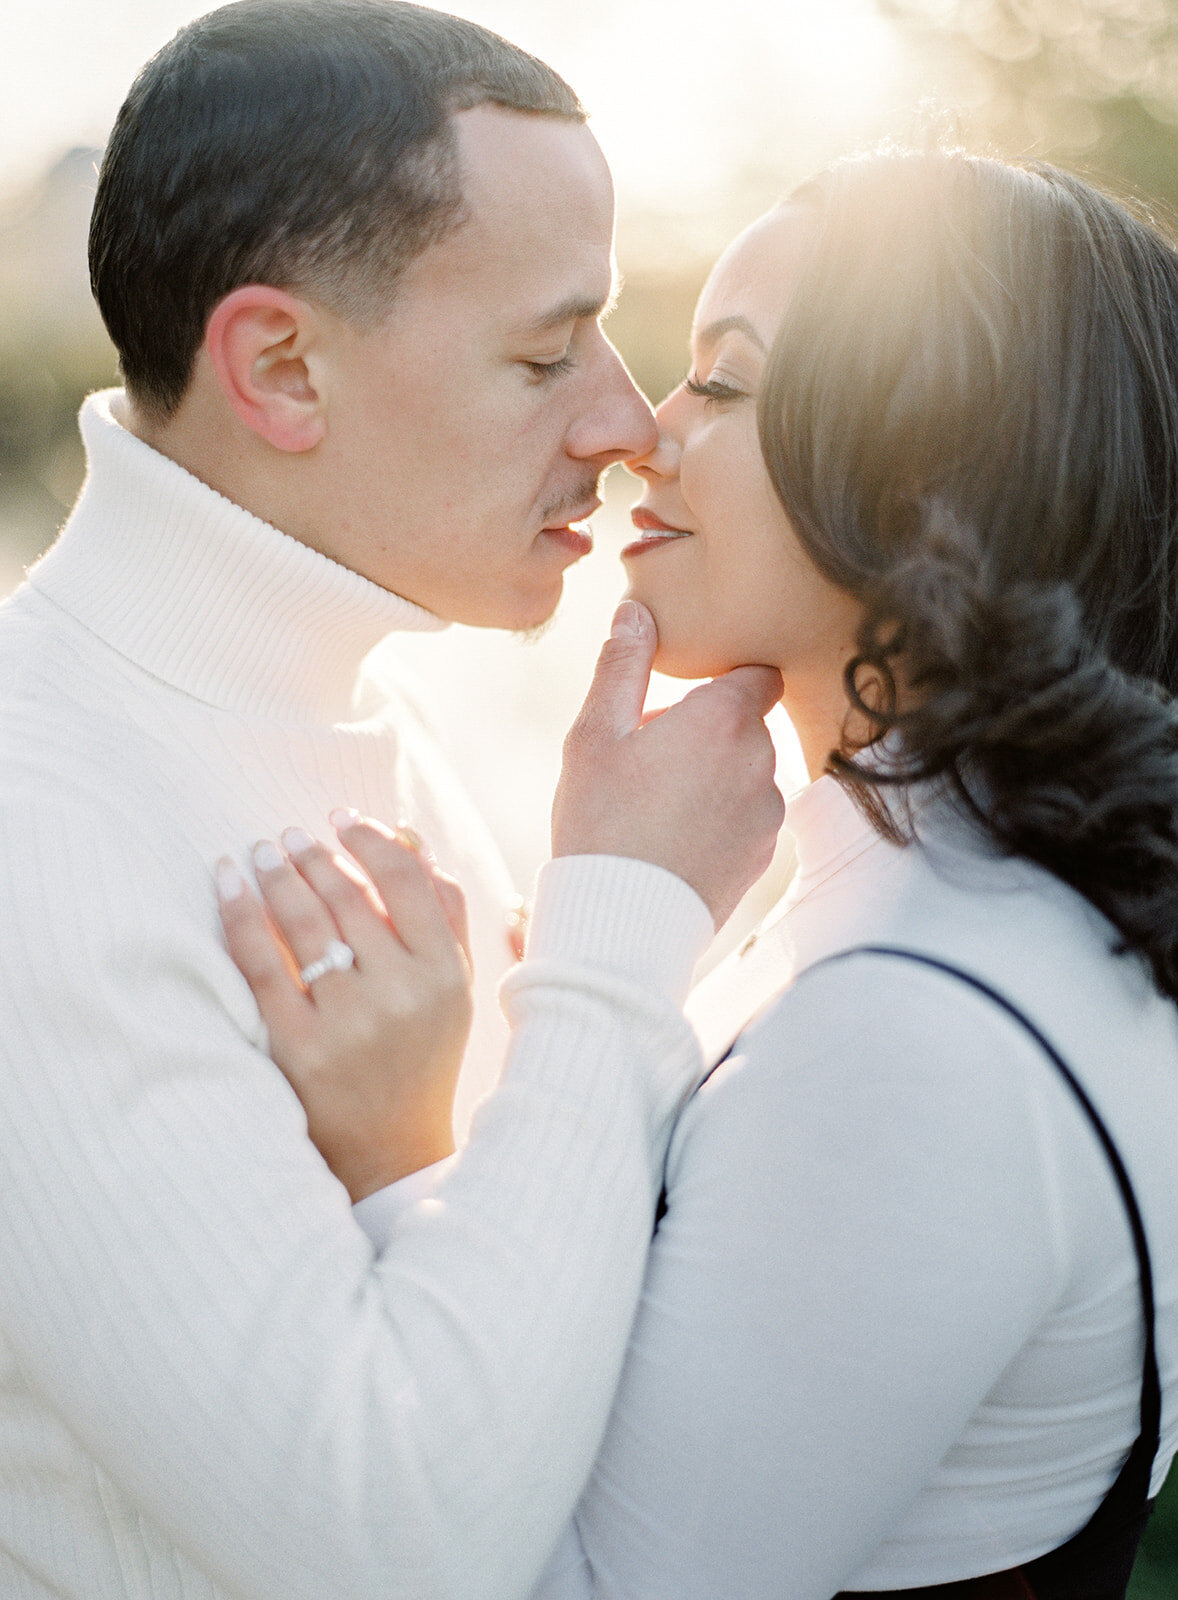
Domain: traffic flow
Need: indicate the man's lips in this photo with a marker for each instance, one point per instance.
(577, 540)
(655, 532)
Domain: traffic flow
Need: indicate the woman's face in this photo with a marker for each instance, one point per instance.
(716, 559)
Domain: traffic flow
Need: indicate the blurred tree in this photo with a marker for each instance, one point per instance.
(53, 348)
(1092, 84)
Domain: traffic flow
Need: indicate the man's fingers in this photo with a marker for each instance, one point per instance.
(613, 706)
(757, 689)
(692, 790)
(760, 686)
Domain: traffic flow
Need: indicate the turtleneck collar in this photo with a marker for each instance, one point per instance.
(205, 596)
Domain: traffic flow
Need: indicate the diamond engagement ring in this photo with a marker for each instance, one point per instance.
(338, 957)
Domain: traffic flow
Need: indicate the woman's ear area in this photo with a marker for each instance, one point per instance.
(263, 346)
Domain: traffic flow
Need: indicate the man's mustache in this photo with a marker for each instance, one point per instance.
(571, 500)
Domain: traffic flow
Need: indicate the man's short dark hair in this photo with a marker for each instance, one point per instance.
(305, 144)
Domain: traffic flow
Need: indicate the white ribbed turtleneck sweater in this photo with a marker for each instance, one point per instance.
(241, 654)
(208, 1386)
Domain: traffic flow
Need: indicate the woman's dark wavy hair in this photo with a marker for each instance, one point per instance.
(971, 418)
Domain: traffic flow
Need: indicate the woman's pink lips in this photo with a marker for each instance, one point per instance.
(656, 533)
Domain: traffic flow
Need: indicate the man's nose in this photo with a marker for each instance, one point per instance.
(661, 460)
(619, 423)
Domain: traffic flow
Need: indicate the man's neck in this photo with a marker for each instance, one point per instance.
(224, 457)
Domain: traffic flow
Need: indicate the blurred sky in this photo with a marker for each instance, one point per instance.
(683, 93)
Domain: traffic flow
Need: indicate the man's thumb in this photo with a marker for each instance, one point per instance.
(618, 691)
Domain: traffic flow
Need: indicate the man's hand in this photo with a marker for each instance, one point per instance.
(690, 790)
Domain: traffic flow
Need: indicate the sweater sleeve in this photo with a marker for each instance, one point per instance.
(186, 1287)
(861, 1234)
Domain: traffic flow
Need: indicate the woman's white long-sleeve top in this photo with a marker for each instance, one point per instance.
(891, 1329)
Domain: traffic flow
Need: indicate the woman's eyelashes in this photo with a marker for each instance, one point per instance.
(715, 391)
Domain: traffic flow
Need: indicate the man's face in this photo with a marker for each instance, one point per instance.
(469, 429)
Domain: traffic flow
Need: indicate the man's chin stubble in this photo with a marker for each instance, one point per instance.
(538, 631)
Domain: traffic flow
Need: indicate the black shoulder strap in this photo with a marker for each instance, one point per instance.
(1131, 1489)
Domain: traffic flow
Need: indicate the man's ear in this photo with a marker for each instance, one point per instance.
(258, 340)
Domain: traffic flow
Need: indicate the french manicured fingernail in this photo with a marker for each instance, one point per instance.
(296, 840)
(267, 855)
(626, 621)
(344, 817)
(230, 883)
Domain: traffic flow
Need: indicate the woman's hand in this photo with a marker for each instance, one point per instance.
(371, 1048)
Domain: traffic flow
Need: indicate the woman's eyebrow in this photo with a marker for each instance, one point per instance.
(716, 330)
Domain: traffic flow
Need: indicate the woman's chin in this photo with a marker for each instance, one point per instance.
(687, 661)
(682, 651)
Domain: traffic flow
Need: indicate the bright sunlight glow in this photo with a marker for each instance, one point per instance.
(682, 92)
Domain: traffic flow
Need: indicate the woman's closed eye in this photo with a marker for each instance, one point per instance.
(714, 391)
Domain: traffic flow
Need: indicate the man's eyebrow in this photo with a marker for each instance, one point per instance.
(717, 330)
(576, 308)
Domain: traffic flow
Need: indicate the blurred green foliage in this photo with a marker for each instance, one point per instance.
(1155, 1577)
